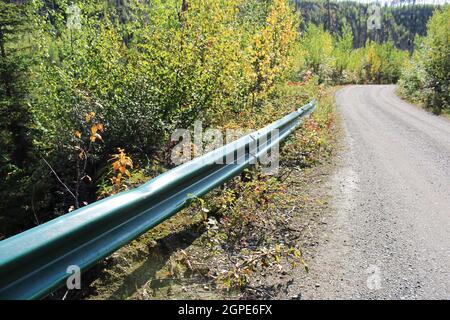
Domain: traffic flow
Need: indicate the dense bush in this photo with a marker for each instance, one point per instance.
(334, 60)
(120, 76)
(317, 49)
(427, 77)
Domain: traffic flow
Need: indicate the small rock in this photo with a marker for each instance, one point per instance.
(296, 297)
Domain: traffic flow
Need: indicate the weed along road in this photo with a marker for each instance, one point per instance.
(389, 237)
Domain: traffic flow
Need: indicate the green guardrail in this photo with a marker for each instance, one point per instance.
(34, 263)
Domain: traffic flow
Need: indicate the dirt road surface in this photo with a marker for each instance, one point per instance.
(389, 235)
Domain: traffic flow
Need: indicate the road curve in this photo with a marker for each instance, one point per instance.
(390, 235)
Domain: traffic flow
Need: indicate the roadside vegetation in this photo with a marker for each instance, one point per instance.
(335, 61)
(80, 82)
(426, 78)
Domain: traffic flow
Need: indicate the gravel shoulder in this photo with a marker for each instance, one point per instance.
(387, 235)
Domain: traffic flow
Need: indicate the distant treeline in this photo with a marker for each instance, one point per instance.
(399, 23)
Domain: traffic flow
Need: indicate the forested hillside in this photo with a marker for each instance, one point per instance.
(399, 23)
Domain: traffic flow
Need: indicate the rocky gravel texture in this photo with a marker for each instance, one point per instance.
(387, 234)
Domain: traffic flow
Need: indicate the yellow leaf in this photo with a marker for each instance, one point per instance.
(89, 116)
(116, 166)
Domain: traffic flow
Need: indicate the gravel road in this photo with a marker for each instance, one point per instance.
(389, 235)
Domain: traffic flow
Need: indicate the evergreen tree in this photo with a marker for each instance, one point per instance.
(14, 63)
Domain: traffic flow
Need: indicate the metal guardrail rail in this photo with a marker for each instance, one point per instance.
(34, 263)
